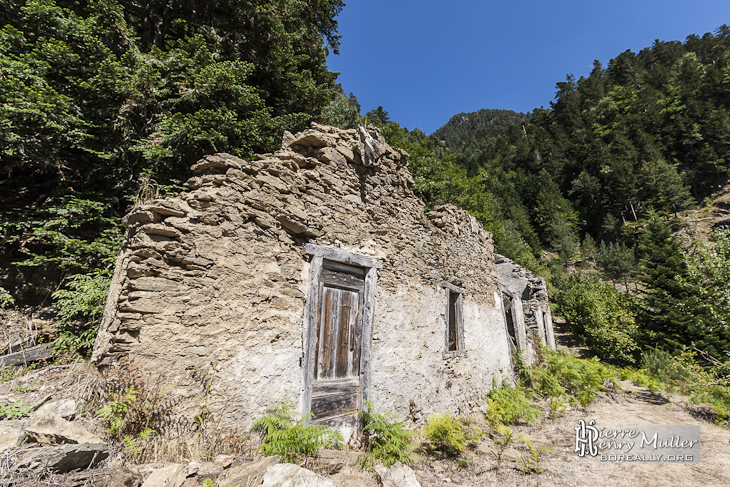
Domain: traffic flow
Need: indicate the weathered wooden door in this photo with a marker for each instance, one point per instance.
(336, 386)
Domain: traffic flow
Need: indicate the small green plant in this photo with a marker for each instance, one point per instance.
(29, 387)
(387, 440)
(450, 436)
(461, 463)
(133, 445)
(6, 299)
(502, 436)
(530, 463)
(115, 411)
(14, 410)
(285, 433)
(208, 483)
(510, 405)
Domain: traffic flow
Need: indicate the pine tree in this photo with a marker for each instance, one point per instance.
(666, 325)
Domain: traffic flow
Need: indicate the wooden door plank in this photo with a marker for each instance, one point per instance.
(330, 387)
(343, 334)
(339, 279)
(334, 405)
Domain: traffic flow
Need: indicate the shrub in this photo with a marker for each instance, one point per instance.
(387, 440)
(604, 318)
(6, 299)
(285, 433)
(665, 367)
(81, 305)
(560, 376)
(718, 397)
(449, 435)
(510, 405)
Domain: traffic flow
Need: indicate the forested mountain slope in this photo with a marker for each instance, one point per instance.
(478, 127)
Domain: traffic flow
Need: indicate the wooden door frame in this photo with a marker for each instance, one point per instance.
(370, 265)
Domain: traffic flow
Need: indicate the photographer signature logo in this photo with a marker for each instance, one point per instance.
(586, 437)
(647, 443)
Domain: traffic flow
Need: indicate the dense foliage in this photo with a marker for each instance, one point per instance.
(94, 95)
(604, 317)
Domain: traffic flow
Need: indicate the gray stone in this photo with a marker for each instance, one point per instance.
(55, 430)
(220, 163)
(138, 216)
(398, 475)
(248, 474)
(160, 229)
(290, 475)
(169, 476)
(11, 435)
(64, 458)
(65, 408)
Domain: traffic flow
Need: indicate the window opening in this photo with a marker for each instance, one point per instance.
(454, 320)
(507, 304)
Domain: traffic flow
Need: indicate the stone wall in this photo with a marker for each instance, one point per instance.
(218, 278)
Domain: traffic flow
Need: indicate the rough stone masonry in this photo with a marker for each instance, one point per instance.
(230, 276)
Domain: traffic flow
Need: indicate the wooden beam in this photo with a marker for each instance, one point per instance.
(454, 288)
(342, 256)
(32, 354)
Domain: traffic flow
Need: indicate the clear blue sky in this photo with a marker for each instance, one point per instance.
(426, 60)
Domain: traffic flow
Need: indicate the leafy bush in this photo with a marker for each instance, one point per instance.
(510, 405)
(604, 318)
(560, 375)
(386, 439)
(718, 397)
(81, 305)
(285, 433)
(449, 435)
(662, 366)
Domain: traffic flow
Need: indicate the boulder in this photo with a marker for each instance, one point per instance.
(289, 475)
(169, 476)
(398, 475)
(65, 408)
(10, 435)
(55, 430)
(65, 458)
(248, 474)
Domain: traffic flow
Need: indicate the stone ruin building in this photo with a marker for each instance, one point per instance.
(526, 308)
(315, 275)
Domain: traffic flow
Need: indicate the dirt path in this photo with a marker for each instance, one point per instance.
(563, 467)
